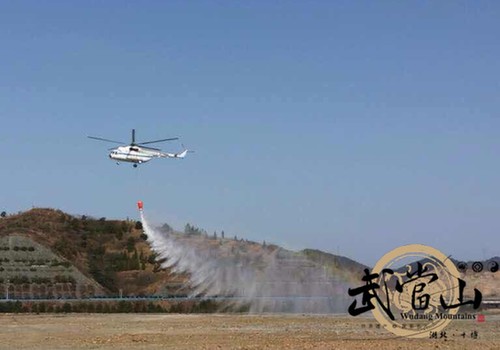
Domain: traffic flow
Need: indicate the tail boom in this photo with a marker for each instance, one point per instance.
(175, 155)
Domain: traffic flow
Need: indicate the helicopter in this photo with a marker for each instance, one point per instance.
(136, 152)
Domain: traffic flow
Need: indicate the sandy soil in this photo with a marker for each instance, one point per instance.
(172, 331)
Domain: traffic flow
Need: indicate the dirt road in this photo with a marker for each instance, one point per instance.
(223, 331)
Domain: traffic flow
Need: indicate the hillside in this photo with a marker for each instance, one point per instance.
(110, 253)
(335, 262)
(49, 253)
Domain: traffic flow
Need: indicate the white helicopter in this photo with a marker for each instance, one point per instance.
(137, 153)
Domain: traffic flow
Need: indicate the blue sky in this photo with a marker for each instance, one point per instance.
(352, 127)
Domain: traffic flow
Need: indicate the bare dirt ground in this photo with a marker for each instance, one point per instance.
(223, 331)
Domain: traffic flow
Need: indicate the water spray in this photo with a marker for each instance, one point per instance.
(247, 274)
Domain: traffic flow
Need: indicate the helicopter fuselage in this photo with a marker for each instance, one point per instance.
(133, 154)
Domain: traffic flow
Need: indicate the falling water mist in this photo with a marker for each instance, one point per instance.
(265, 280)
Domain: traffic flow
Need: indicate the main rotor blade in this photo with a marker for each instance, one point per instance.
(148, 142)
(105, 140)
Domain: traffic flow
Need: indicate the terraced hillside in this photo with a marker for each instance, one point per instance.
(30, 270)
(46, 252)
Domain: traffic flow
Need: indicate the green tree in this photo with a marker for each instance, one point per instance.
(124, 306)
(98, 308)
(130, 244)
(106, 309)
(91, 308)
(66, 308)
(18, 307)
(135, 261)
(42, 307)
(151, 308)
(192, 230)
(119, 235)
(166, 228)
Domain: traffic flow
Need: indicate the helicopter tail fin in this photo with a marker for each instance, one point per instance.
(176, 155)
(182, 154)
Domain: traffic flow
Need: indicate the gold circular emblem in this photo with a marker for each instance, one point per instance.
(415, 281)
